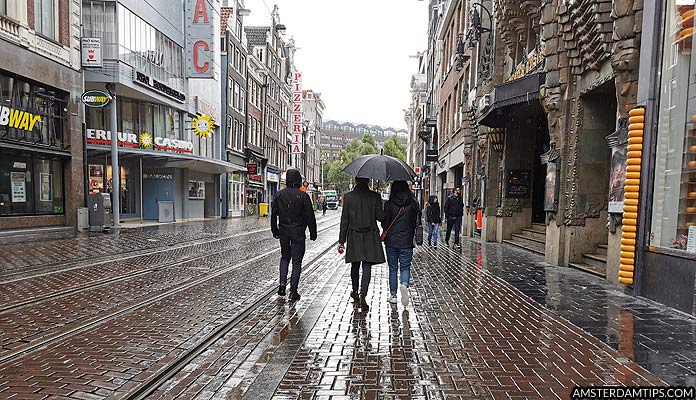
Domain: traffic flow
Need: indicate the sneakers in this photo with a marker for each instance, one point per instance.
(294, 296)
(392, 299)
(363, 305)
(404, 295)
(281, 291)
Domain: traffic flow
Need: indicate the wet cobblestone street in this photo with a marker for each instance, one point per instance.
(199, 319)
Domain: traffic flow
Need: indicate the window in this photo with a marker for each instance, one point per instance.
(230, 91)
(196, 190)
(30, 184)
(3, 7)
(230, 132)
(674, 197)
(45, 18)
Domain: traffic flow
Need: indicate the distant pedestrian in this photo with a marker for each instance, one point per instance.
(324, 206)
(291, 214)
(433, 216)
(454, 211)
(362, 208)
(401, 215)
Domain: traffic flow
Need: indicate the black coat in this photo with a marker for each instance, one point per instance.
(362, 208)
(292, 213)
(433, 215)
(454, 207)
(400, 235)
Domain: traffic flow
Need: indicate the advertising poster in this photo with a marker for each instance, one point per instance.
(96, 179)
(617, 178)
(518, 183)
(46, 194)
(19, 187)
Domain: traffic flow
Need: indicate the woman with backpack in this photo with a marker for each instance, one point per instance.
(433, 216)
(401, 215)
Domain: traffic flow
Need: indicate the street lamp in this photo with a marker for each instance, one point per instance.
(497, 138)
(476, 26)
(323, 161)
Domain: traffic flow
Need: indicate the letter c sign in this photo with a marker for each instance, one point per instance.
(202, 68)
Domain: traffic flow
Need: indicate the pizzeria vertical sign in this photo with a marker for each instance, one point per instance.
(297, 145)
(200, 38)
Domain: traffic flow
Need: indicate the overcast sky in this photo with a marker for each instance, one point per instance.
(354, 52)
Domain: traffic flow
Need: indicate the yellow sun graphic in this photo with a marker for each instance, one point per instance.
(145, 140)
(203, 125)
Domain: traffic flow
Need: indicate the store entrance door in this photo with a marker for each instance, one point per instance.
(155, 190)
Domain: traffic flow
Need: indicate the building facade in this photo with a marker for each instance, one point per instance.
(41, 147)
(336, 135)
(167, 93)
(313, 118)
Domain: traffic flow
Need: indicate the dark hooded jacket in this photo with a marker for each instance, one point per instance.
(433, 214)
(400, 235)
(291, 210)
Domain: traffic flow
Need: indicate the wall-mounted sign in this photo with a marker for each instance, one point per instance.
(91, 52)
(203, 126)
(296, 143)
(19, 187)
(518, 183)
(161, 177)
(205, 107)
(200, 36)
(18, 119)
(617, 179)
(271, 177)
(431, 155)
(530, 65)
(160, 87)
(144, 140)
(96, 98)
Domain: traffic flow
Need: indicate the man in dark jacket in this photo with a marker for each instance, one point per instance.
(454, 211)
(291, 214)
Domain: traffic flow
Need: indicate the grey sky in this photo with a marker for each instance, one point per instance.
(355, 52)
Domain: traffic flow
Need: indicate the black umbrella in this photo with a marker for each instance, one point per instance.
(380, 167)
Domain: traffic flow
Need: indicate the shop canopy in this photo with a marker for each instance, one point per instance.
(523, 91)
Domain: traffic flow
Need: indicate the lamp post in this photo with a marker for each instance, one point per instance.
(323, 161)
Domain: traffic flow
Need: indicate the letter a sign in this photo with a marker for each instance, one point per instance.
(200, 36)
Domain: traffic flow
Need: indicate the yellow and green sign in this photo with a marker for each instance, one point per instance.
(95, 98)
(18, 119)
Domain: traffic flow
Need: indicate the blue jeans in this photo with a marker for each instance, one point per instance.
(432, 234)
(399, 259)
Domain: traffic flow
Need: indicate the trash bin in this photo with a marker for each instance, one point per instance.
(166, 211)
(263, 209)
(82, 219)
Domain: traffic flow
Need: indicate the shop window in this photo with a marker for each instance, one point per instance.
(674, 198)
(30, 184)
(196, 190)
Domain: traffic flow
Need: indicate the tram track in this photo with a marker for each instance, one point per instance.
(158, 379)
(69, 330)
(13, 306)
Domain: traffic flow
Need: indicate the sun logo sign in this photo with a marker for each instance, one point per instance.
(203, 126)
(146, 140)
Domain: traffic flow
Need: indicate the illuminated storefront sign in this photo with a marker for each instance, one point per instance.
(297, 146)
(144, 140)
(18, 119)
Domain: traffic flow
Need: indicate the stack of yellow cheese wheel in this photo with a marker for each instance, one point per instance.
(632, 187)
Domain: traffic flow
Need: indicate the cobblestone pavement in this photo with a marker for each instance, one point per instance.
(466, 334)
(116, 354)
(658, 338)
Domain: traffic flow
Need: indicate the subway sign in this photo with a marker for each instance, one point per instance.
(96, 98)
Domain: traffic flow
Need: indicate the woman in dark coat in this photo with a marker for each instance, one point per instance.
(433, 217)
(362, 208)
(401, 215)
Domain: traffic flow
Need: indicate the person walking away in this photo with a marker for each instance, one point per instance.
(433, 216)
(324, 206)
(291, 215)
(401, 214)
(362, 208)
(454, 211)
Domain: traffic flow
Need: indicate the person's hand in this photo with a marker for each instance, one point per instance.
(276, 236)
(433, 224)
(312, 237)
(341, 248)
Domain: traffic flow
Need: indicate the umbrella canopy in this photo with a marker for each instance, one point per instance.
(383, 168)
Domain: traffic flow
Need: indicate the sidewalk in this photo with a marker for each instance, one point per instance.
(488, 322)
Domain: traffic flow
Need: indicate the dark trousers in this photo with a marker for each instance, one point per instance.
(456, 224)
(366, 276)
(291, 249)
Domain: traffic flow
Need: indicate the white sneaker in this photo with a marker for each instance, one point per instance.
(404, 294)
(392, 299)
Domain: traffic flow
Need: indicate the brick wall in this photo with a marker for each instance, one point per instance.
(30, 13)
(64, 22)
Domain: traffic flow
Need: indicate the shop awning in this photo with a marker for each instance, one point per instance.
(177, 160)
(510, 94)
